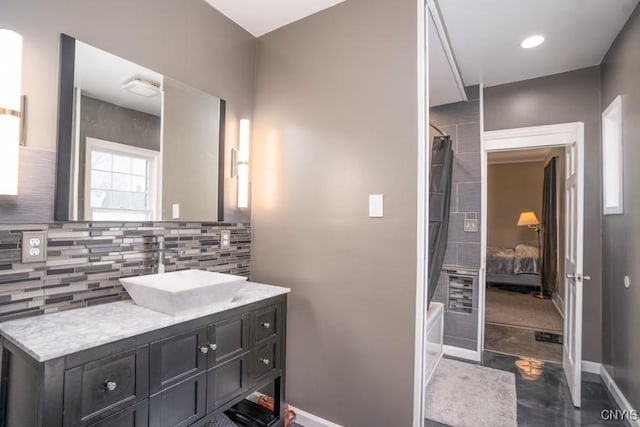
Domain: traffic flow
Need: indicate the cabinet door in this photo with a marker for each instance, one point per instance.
(230, 338)
(264, 360)
(180, 405)
(96, 389)
(265, 323)
(174, 359)
(135, 416)
(226, 381)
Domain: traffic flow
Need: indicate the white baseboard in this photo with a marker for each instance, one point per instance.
(302, 417)
(591, 367)
(309, 420)
(461, 353)
(617, 394)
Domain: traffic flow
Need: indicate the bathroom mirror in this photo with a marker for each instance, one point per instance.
(134, 145)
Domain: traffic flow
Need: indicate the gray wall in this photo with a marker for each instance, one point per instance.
(187, 40)
(511, 189)
(461, 121)
(110, 122)
(566, 97)
(336, 120)
(190, 127)
(621, 243)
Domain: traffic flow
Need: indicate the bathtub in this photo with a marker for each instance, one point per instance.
(435, 332)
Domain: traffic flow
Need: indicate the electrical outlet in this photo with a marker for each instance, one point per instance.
(225, 239)
(471, 225)
(34, 246)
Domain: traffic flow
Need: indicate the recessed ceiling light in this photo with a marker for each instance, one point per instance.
(533, 41)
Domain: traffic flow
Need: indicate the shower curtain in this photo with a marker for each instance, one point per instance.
(439, 203)
(550, 227)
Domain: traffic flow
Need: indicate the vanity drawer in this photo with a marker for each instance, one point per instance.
(265, 324)
(264, 360)
(94, 390)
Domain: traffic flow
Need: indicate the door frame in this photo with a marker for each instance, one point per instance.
(557, 135)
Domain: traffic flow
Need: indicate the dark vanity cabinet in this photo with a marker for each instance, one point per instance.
(182, 375)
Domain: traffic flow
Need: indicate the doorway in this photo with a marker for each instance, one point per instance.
(525, 222)
(569, 138)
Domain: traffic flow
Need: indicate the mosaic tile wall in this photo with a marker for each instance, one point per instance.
(85, 261)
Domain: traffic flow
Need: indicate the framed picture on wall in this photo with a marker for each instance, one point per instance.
(612, 164)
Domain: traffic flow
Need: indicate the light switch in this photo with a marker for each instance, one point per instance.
(176, 211)
(225, 239)
(471, 225)
(34, 246)
(376, 206)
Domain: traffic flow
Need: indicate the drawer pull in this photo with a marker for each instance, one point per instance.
(213, 347)
(204, 349)
(110, 385)
(265, 361)
(266, 325)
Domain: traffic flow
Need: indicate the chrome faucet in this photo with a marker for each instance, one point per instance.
(161, 250)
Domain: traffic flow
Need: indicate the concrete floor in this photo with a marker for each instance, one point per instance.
(543, 395)
(520, 342)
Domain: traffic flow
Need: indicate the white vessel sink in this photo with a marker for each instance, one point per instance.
(181, 292)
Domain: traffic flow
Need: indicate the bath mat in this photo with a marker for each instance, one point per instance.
(548, 337)
(462, 394)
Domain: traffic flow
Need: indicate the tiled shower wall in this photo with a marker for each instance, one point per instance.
(461, 121)
(85, 261)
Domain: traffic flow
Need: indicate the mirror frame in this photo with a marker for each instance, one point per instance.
(62, 196)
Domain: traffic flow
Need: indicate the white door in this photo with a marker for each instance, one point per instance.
(573, 281)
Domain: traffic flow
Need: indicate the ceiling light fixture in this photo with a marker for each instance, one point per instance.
(142, 87)
(533, 41)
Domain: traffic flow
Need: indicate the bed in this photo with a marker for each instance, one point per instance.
(518, 266)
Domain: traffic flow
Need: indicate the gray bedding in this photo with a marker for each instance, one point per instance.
(523, 259)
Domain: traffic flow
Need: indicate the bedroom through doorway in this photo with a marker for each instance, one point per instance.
(525, 253)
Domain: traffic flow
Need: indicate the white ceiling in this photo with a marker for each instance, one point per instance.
(101, 74)
(260, 17)
(442, 85)
(485, 36)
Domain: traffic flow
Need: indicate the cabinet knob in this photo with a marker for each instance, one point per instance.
(213, 347)
(266, 325)
(110, 385)
(265, 361)
(204, 349)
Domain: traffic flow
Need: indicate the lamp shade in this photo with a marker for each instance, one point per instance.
(528, 218)
(10, 90)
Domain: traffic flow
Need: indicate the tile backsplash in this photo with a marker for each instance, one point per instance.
(85, 261)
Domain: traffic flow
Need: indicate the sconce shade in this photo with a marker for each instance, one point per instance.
(243, 163)
(10, 100)
(528, 218)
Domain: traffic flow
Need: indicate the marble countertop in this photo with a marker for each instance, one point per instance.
(55, 335)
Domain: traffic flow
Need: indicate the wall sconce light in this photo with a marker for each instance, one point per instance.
(11, 110)
(240, 163)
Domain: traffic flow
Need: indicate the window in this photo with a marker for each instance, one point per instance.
(121, 182)
(612, 175)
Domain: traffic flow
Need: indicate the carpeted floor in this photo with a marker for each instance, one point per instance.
(469, 395)
(522, 310)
